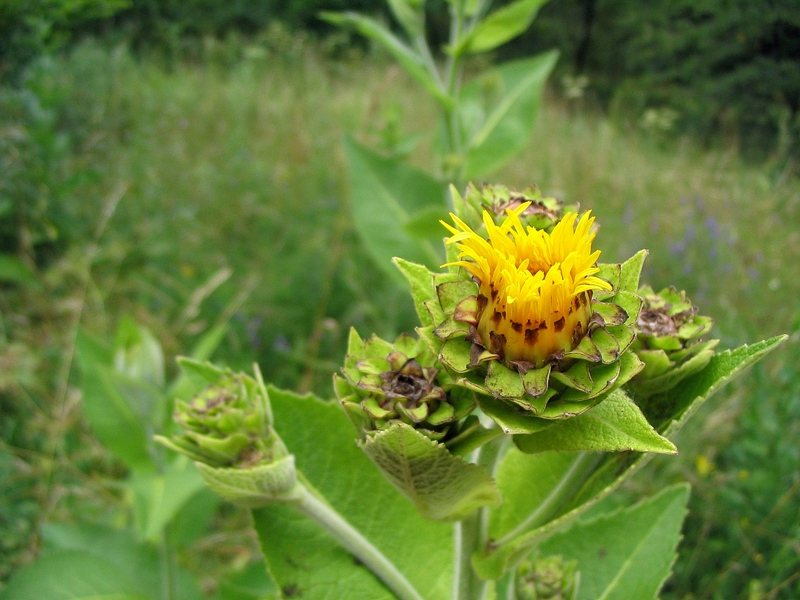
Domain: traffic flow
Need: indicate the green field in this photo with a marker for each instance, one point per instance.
(193, 193)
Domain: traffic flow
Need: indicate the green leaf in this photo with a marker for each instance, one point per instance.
(420, 279)
(112, 418)
(13, 270)
(631, 269)
(74, 575)
(668, 380)
(628, 554)
(425, 225)
(455, 353)
(667, 417)
(385, 194)
(412, 62)
(255, 486)
(441, 486)
(195, 517)
(504, 129)
(501, 26)
(159, 497)
(502, 382)
(253, 583)
(304, 558)
(136, 560)
(614, 425)
(669, 411)
(512, 419)
(407, 16)
(525, 481)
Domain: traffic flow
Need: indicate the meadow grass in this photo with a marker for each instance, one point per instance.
(225, 186)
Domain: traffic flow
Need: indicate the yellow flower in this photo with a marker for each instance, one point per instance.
(535, 288)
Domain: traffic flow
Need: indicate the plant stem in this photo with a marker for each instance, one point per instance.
(472, 533)
(169, 568)
(575, 476)
(466, 584)
(355, 543)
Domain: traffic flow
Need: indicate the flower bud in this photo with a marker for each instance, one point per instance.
(226, 424)
(227, 431)
(668, 332)
(402, 382)
(547, 578)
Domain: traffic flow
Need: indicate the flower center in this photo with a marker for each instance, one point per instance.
(411, 382)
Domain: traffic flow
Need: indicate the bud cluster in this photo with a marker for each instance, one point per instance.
(547, 578)
(227, 424)
(668, 333)
(385, 383)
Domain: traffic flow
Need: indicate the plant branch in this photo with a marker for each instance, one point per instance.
(355, 543)
(472, 533)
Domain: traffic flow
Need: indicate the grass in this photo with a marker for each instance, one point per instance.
(223, 184)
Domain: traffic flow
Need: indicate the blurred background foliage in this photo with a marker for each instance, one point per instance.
(182, 163)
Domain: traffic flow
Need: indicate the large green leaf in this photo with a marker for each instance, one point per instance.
(386, 194)
(134, 559)
(253, 583)
(410, 60)
(628, 554)
(496, 133)
(441, 486)
(614, 425)
(112, 417)
(499, 27)
(669, 411)
(75, 575)
(667, 417)
(525, 481)
(159, 496)
(304, 559)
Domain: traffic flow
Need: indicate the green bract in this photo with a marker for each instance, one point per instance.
(543, 213)
(414, 425)
(403, 382)
(668, 340)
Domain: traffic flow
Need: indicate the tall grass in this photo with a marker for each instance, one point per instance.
(229, 192)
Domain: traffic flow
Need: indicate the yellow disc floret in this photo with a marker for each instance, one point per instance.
(535, 287)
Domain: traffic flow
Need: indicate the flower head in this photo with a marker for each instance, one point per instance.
(668, 340)
(387, 383)
(535, 287)
(227, 431)
(227, 424)
(526, 317)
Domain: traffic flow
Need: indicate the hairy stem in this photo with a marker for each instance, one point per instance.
(466, 584)
(355, 543)
(472, 533)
